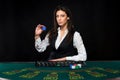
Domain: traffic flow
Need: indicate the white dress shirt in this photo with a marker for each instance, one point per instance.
(41, 45)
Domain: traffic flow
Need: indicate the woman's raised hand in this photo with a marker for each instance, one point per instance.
(38, 29)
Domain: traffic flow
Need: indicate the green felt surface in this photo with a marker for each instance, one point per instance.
(94, 70)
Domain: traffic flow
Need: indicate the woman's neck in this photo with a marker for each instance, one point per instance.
(63, 28)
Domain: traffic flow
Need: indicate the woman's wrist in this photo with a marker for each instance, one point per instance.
(37, 36)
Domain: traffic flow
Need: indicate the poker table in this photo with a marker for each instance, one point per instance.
(93, 70)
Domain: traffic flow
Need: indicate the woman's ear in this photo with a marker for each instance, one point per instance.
(68, 18)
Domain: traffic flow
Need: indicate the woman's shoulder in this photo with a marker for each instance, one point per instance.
(77, 33)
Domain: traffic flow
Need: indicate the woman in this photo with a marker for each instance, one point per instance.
(63, 41)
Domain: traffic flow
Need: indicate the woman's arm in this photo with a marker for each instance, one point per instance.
(41, 45)
(78, 43)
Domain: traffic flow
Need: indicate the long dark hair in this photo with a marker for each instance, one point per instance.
(53, 31)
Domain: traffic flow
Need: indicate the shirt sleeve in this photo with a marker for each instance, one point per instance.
(78, 43)
(41, 45)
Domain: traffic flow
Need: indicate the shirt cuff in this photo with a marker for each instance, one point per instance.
(75, 58)
(68, 58)
(38, 39)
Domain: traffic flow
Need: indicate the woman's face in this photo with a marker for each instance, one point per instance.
(61, 18)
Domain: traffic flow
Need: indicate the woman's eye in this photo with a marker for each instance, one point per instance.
(62, 15)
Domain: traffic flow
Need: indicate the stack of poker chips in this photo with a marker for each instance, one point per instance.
(75, 66)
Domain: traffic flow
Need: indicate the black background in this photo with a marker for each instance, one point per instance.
(96, 20)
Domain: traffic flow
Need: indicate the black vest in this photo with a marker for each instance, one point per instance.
(65, 49)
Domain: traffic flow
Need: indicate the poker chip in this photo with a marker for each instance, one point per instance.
(79, 65)
(43, 28)
(71, 66)
(75, 66)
